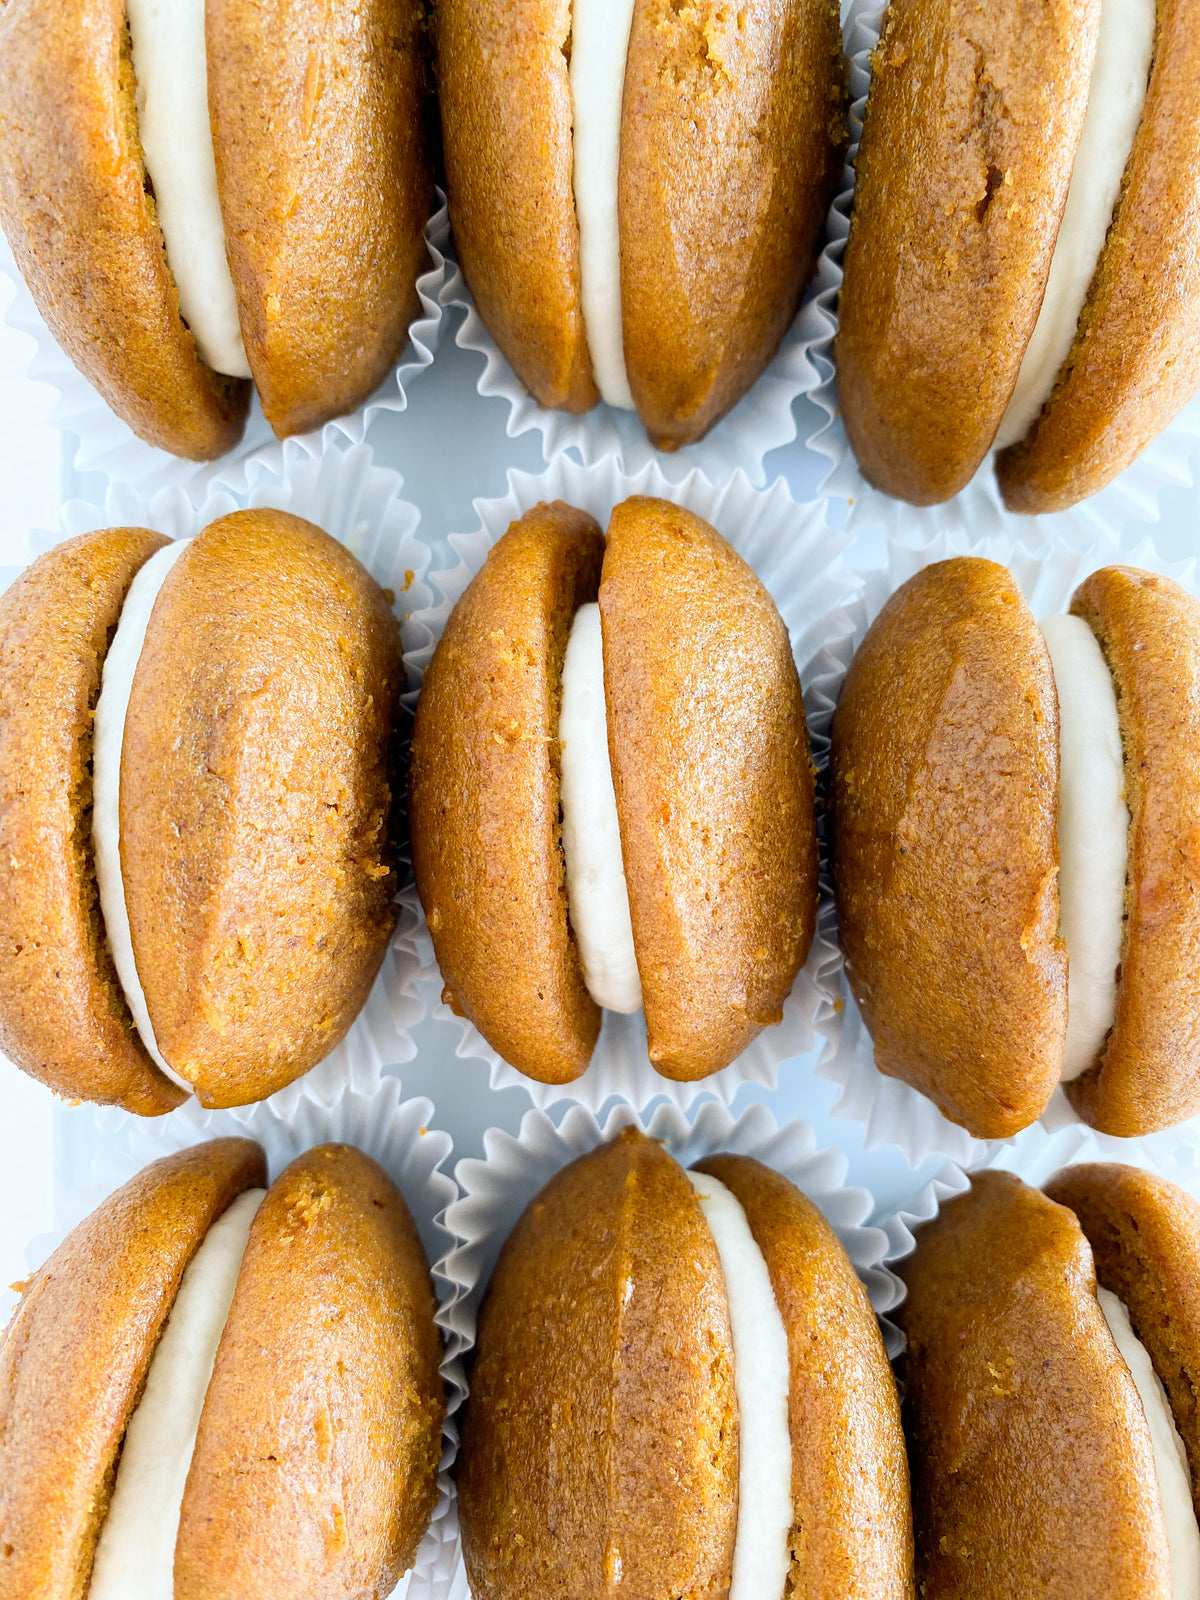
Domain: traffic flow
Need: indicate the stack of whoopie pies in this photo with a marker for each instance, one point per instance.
(212, 191)
(1015, 821)
(637, 190)
(611, 794)
(1051, 1374)
(196, 882)
(1023, 267)
(214, 1390)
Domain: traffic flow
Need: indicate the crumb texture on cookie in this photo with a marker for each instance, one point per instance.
(944, 781)
(63, 1015)
(713, 781)
(315, 1468)
(505, 96)
(853, 1524)
(1148, 1076)
(255, 802)
(485, 814)
(600, 1444)
(78, 212)
(321, 142)
(969, 139)
(94, 1311)
(1031, 1458)
(733, 126)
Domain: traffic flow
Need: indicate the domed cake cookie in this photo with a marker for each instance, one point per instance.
(231, 874)
(652, 1343)
(612, 794)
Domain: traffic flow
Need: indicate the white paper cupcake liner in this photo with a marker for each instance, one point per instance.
(360, 504)
(106, 444)
(760, 422)
(977, 509)
(891, 1111)
(393, 1131)
(799, 559)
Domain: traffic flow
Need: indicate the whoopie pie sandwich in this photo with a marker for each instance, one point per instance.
(680, 1389)
(196, 885)
(637, 190)
(611, 794)
(1022, 269)
(1016, 846)
(1051, 1375)
(209, 191)
(217, 1391)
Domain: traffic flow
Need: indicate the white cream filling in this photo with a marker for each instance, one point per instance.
(1093, 836)
(596, 887)
(120, 664)
(761, 1552)
(1170, 1458)
(135, 1558)
(1114, 109)
(171, 63)
(599, 45)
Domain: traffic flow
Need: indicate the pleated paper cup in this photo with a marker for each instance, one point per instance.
(108, 445)
(798, 558)
(361, 505)
(891, 1111)
(397, 1133)
(1169, 461)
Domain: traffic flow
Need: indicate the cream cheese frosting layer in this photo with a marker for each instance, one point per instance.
(135, 1558)
(1170, 1458)
(762, 1554)
(120, 664)
(1114, 109)
(171, 63)
(599, 46)
(1093, 836)
(596, 889)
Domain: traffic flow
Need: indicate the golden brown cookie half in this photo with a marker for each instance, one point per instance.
(971, 126)
(944, 786)
(1030, 1454)
(1148, 1076)
(326, 182)
(315, 1467)
(853, 1528)
(63, 1015)
(1136, 357)
(713, 781)
(255, 800)
(1145, 1237)
(600, 1442)
(79, 214)
(75, 1356)
(732, 128)
(484, 806)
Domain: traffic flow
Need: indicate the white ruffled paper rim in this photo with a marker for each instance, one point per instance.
(397, 1133)
(799, 558)
(763, 419)
(1134, 495)
(360, 504)
(108, 445)
(892, 1112)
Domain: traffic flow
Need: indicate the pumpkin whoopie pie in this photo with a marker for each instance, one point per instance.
(196, 889)
(1047, 1456)
(611, 794)
(214, 190)
(1023, 266)
(1015, 812)
(637, 190)
(680, 1389)
(213, 1389)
